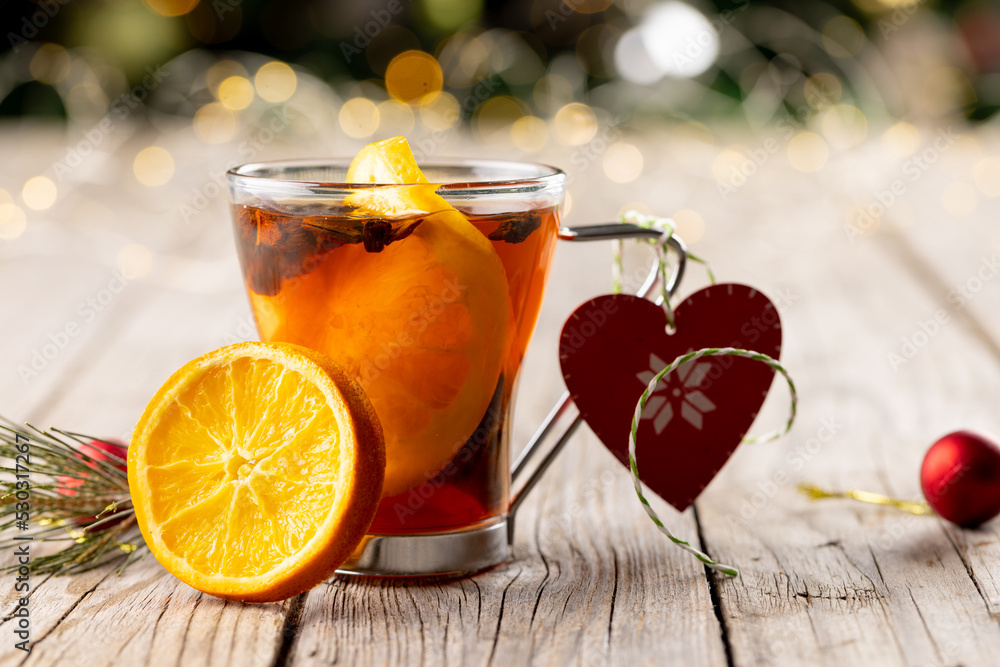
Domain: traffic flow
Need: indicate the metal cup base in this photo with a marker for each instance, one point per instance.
(452, 553)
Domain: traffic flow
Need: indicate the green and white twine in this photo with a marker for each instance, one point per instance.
(668, 228)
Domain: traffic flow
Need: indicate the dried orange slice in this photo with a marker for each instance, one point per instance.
(256, 470)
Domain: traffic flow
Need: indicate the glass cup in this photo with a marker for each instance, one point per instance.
(432, 316)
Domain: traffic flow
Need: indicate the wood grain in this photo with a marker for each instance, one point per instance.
(591, 583)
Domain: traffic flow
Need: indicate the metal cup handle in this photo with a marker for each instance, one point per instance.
(601, 232)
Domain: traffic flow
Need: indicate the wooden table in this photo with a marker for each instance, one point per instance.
(591, 581)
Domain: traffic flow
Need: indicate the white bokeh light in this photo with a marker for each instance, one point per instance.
(674, 39)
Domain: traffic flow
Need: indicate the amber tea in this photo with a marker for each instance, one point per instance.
(416, 310)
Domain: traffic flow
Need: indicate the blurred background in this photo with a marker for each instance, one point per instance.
(177, 91)
(798, 126)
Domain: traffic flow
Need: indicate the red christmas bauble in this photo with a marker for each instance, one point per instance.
(960, 478)
(97, 450)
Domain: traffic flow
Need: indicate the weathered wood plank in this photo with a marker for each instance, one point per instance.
(839, 583)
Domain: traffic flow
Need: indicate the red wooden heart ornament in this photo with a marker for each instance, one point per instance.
(612, 346)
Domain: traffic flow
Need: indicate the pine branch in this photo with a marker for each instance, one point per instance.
(73, 490)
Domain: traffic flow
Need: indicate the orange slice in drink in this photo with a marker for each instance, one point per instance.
(424, 324)
(256, 470)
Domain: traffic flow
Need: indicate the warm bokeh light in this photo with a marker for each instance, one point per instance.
(13, 222)
(959, 198)
(221, 71)
(215, 124)
(171, 7)
(235, 93)
(441, 113)
(843, 37)
(359, 117)
(394, 117)
(726, 165)
(414, 77)
(690, 226)
(153, 166)
(529, 133)
(622, 162)
(275, 81)
(574, 124)
(902, 139)
(135, 261)
(495, 118)
(844, 126)
(986, 173)
(50, 64)
(39, 193)
(808, 152)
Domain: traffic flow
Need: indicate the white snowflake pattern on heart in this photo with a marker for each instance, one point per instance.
(682, 384)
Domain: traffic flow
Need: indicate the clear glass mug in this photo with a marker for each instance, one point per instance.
(432, 316)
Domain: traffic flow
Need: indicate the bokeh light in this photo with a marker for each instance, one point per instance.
(153, 166)
(171, 7)
(902, 139)
(394, 117)
(574, 124)
(13, 222)
(726, 165)
(844, 126)
(359, 117)
(529, 133)
(494, 119)
(441, 113)
(39, 193)
(235, 93)
(633, 61)
(275, 81)
(808, 152)
(221, 71)
(414, 77)
(135, 261)
(959, 198)
(622, 162)
(690, 226)
(986, 174)
(50, 64)
(674, 39)
(215, 124)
